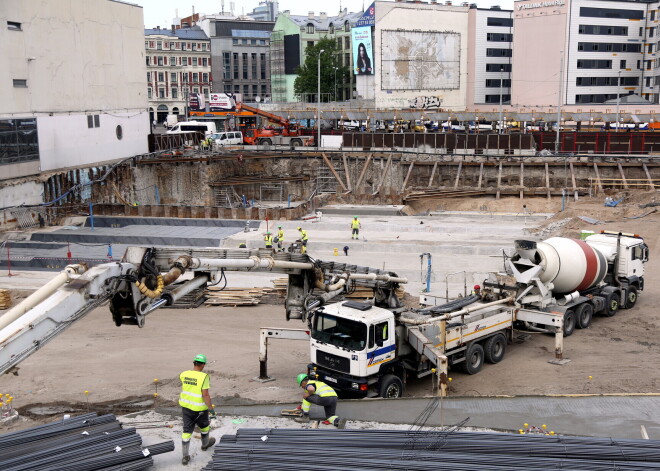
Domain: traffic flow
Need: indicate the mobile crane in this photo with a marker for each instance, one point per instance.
(288, 135)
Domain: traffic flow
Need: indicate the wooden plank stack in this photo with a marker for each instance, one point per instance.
(280, 285)
(5, 299)
(235, 296)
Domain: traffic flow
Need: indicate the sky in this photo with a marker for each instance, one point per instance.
(161, 12)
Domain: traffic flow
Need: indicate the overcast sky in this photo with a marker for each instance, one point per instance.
(161, 12)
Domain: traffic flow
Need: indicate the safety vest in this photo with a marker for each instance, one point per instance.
(355, 224)
(322, 390)
(303, 235)
(192, 383)
(269, 240)
(280, 235)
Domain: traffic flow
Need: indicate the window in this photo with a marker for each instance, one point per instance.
(262, 63)
(331, 29)
(148, 60)
(594, 64)
(235, 57)
(498, 67)
(255, 90)
(648, 81)
(609, 47)
(245, 65)
(496, 98)
(347, 26)
(160, 60)
(237, 89)
(195, 89)
(495, 83)
(161, 93)
(205, 77)
(226, 65)
(650, 49)
(175, 93)
(246, 91)
(347, 42)
(639, 65)
(500, 22)
(641, 31)
(253, 64)
(595, 98)
(205, 62)
(93, 121)
(652, 12)
(204, 45)
(173, 77)
(159, 45)
(148, 76)
(149, 93)
(234, 42)
(339, 43)
(227, 88)
(604, 30)
(310, 43)
(264, 89)
(206, 93)
(13, 26)
(20, 83)
(310, 28)
(195, 77)
(501, 37)
(498, 52)
(244, 42)
(194, 62)
(605, 81)
(651, 32)
(378, 334)
(194, 46)
(622, 64)
(611, 13)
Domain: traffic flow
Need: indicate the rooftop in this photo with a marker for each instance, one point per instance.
(194, 32)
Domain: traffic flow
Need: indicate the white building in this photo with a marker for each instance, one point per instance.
(73, 88)
(490, 55)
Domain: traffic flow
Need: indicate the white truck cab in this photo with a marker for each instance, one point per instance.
(633, 252)
(353, 339)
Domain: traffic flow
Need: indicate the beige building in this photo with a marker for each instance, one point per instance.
(178, 66)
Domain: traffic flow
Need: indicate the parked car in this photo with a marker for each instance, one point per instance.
(227, 138)
(453, 126)
(481, 126)
(206, 127)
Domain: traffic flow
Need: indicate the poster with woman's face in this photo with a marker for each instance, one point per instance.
(362, 52)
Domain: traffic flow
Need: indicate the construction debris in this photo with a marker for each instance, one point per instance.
(85, 442)
(362, 450)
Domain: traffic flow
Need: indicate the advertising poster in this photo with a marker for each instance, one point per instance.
(221, 102)
(196, 102)
(363, 58)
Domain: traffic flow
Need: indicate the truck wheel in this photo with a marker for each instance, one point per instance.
(494, 348)
(631, 297)
(474, 359)
(266, 142)
(611, 304)
(296, 143)
(569, 323)
(391, 387)
(584, 313)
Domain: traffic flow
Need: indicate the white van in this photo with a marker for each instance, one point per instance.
(207, 127)
(227, 138)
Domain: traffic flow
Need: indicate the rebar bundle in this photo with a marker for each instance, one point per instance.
(84, 443)
(368, 450)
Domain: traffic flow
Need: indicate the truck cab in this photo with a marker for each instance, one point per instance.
(351, 344)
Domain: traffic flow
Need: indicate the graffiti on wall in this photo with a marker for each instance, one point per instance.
(425, 102)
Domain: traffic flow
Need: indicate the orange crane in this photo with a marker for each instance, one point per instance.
(288, 134)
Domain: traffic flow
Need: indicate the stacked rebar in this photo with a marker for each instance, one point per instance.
(368, 450)
(84, 443)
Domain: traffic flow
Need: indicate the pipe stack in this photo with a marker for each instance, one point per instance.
(83, 443)
(369, 450)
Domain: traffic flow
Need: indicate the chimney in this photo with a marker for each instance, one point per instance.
(323, 16)
(310, 15)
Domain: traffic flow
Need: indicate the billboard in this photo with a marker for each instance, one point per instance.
(368, 18)
(196, 102)
(420, 60)
(222, 102)
(363, 62)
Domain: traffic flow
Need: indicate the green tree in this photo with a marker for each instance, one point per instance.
(306, 84)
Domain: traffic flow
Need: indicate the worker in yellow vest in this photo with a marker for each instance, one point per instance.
(195, 402)
(304, 237)
(355, 228)
(319, 393)
(280, 237)
(269, 240)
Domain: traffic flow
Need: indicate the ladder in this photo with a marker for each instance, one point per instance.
(226, 197)
(325, 180)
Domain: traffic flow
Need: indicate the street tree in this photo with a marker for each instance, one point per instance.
(332, 74)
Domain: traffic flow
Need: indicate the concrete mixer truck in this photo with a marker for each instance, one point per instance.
(553, 286)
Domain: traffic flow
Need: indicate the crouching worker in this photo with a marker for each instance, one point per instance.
(195, 402)
(319, 393)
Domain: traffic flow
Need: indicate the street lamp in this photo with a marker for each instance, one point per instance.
(501, 83)
(618, 99)
(318, 99)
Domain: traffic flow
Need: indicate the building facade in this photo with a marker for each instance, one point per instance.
(265, 11)
(490, 55)
(240, 56)
(293, 34)
(178, 65)
(595, 51)
(73, 95)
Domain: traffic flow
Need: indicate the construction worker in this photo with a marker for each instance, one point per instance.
(319, 393)
(242, 245)
(476, 290)
(268, 239)
(280, 237)
(195, 402)
(304, 237)
(355, 228)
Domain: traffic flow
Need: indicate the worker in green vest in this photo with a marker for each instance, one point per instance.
(355, 228)
(319, 393)
(304, 237)
(268, 239)
(280, 237)
(195, 402)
